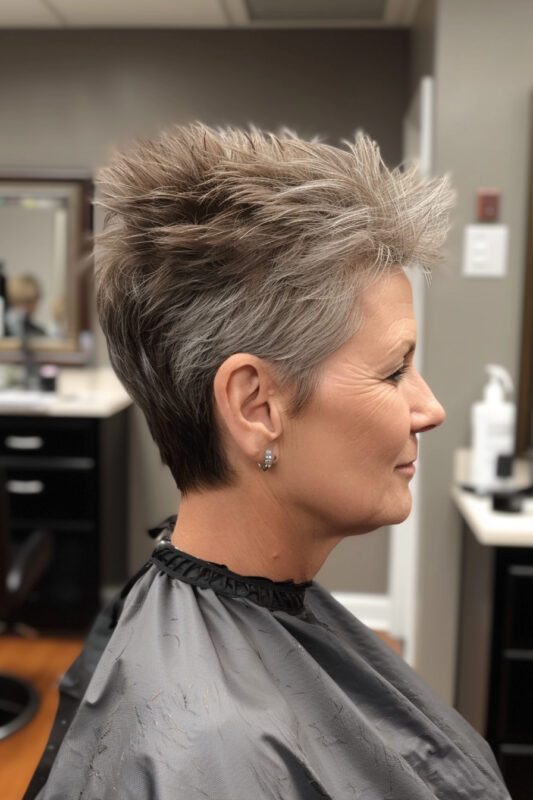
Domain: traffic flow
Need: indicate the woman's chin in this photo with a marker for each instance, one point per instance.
(407, 510)
(401, 510)
(397, 514)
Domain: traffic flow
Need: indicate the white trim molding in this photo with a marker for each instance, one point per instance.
(374, 610)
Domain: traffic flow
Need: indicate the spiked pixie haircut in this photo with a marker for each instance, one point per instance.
(225, 241)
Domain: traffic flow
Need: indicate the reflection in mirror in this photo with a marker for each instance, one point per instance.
(34, 264)
(44, 234)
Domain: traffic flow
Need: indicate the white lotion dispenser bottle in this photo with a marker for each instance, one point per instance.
(493, 429)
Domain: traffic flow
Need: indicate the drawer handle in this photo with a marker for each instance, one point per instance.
(24, 442)
(25, 487)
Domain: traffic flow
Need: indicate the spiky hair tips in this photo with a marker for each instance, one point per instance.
(231, 240)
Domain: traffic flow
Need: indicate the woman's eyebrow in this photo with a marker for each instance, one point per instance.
(406, 347)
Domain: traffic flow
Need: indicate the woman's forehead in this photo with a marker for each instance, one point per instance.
(390, 290)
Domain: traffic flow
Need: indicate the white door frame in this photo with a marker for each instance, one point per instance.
(397, 610)
(405, 538)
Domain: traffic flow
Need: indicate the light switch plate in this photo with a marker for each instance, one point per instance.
(485, 251)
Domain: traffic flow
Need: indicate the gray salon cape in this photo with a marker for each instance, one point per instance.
(205, 685)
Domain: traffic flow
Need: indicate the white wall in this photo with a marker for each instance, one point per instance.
(484, 78)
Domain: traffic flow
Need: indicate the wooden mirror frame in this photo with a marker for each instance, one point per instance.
(56, 351)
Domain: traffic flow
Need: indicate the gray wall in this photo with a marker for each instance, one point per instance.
(484, 77)
(69, 97)
(422, 40)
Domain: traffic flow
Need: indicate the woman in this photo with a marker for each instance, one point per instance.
(23, 296)
(252, 293)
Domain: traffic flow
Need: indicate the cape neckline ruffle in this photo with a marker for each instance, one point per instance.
(275, 595)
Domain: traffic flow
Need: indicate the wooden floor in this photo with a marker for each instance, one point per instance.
(42, 661)
(394, 644)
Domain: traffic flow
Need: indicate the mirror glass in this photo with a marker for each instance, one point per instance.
(43, 236)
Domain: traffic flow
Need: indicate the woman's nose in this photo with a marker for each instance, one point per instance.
(427, 413)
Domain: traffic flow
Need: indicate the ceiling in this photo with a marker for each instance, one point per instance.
(206, 13)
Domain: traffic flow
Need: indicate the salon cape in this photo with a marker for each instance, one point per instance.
(214, 686)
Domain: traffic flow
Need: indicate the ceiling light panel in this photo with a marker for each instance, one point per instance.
(308, 10)
(26, 14)
(140, 13)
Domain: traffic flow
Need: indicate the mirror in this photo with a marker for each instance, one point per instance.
(45, 271)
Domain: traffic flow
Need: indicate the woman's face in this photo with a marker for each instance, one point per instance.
(346, 460)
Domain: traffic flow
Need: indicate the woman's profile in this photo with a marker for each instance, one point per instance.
(252, 291)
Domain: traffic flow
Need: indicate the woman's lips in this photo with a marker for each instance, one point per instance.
(406, 469)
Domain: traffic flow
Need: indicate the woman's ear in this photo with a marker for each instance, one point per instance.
(249, 403)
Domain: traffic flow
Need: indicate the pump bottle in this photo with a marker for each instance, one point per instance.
(493, 429)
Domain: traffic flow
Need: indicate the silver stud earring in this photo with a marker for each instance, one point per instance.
(268, 460)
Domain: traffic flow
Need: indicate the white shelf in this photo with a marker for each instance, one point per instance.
(80, 393)
(496, 528)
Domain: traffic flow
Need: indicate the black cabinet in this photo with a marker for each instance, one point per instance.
(68, 475)
(495, 664)
(510, 708)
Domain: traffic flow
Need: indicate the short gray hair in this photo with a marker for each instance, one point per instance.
(225, 241)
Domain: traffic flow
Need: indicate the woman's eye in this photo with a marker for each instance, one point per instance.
(397, 376)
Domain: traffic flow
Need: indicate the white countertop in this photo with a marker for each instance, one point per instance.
(81, 392)
(496, 528)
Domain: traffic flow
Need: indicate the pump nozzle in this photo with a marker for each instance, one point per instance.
(499, 382)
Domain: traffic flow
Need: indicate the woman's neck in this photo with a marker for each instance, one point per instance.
(250, 532)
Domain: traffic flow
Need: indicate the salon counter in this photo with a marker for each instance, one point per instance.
(63, 462)
(495, 528)
(495, 652)
(80, 392)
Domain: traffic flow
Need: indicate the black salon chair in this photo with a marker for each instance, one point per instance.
(21, 568)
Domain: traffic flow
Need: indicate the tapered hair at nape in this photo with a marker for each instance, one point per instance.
(224, 241)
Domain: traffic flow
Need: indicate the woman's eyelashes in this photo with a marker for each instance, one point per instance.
(397, 376)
